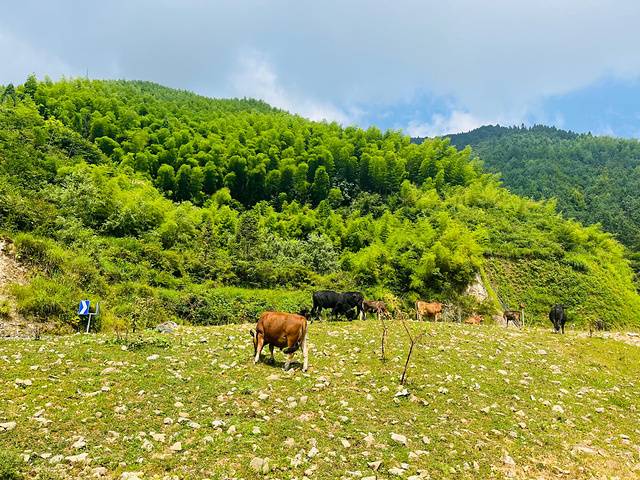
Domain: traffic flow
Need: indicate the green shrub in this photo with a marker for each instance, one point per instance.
(9, 466)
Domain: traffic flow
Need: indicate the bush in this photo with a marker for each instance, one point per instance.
(47, 300)
(9, 466)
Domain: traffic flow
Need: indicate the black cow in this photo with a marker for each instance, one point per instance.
(513, 317)
(339, 303)
(558, 317)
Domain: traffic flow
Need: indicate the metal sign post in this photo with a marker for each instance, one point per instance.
(84, 310)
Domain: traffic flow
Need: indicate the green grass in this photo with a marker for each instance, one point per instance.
(476, 396)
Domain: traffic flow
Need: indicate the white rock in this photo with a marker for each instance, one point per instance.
(503, 372)
(98, 472)
(56, 459)
(256, 464)
(131, 475)
(155, 356)
(396, 471)
(159, 437)
(109, 370)
(7, 426)
(147, 445)
(78, 458)
(178, 404)
(256, 431)
(345, 443)
(368, 440)
(374, 465)
(176, 447)
(507, 460)
(558, 409)
(399, 438)
(313, 452)
(79, 444)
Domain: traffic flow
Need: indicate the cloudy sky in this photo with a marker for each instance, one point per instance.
(425, 66)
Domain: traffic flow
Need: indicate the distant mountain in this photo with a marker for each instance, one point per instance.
(594, 179)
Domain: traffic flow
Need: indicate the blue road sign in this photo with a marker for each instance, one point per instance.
(84, 307)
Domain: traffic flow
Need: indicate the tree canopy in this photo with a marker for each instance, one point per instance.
(135, 192)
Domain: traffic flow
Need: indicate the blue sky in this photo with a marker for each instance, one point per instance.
(427, 67)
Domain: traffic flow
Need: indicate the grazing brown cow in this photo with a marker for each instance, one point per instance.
(373, 306)
(287, 331)
(428, 310)
(512, 316)
(476, 320)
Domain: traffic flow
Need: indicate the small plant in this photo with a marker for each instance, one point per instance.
(37, 331)
(9, 466)
(5, 309)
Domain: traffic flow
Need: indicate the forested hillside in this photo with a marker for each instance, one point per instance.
(161, 203)
(595, 179)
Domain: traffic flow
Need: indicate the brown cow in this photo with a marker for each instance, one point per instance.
(512, 316)
(373, 306)
(428, 310)
(475, 320)
(287, 331)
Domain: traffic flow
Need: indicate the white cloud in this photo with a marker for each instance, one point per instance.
(255, 77)
(495, 60)
(440, 124)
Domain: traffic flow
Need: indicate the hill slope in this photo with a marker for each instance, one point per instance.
(595, 179)
(164, 204)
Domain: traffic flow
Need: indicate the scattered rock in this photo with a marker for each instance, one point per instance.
(131, 475)
(558, 409)
(259, 465)
(79, 444)
(7, 426)
(374, 465)
(78, 458)
(584, 449)
(176, 447)
(98, 472)
(399, 438)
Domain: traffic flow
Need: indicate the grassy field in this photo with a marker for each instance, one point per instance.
(480, 402)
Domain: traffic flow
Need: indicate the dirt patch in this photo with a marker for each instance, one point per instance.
(12, 324)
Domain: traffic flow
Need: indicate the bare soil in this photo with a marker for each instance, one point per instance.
(11, 272)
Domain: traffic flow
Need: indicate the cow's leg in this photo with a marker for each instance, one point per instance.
(272, 359)
(259, 345)
(305, 353)
(288, 362)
